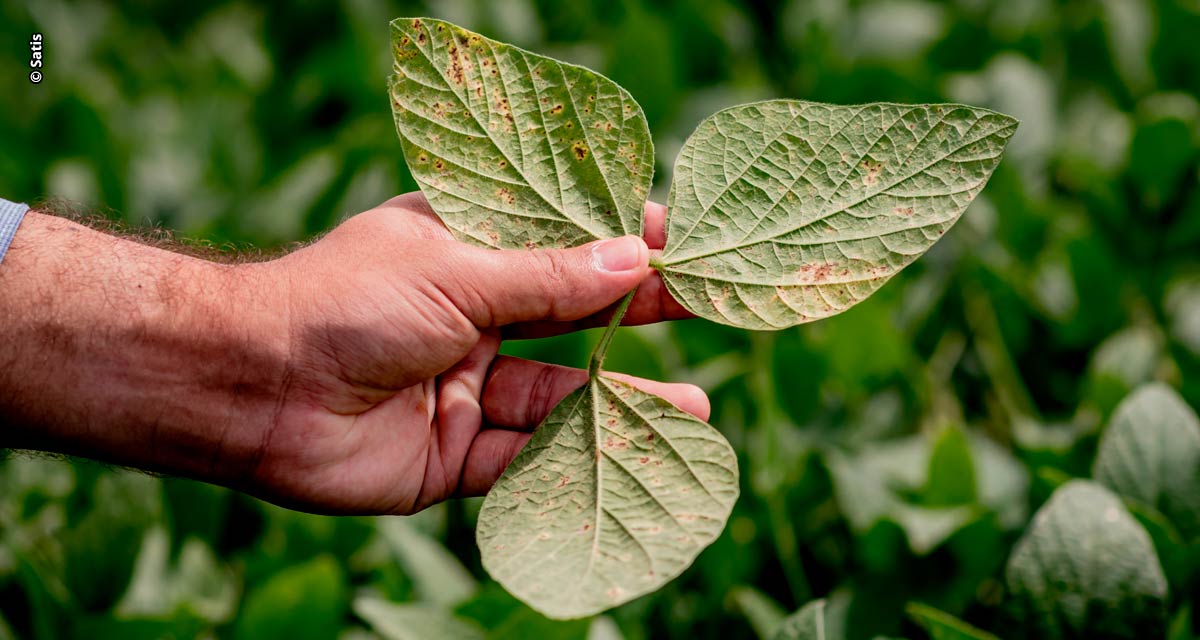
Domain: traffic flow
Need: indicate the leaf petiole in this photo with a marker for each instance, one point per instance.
(601, 349)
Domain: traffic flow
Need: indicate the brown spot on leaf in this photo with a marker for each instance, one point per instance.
(562, 482)
(555, 110)
(644, 459)
(580, 149)
(505, 195)
(903, 211)
(438, 164)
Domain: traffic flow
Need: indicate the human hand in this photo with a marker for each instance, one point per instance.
(395, 396)
(356, 375)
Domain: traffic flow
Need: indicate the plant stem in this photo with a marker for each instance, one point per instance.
(602, 347)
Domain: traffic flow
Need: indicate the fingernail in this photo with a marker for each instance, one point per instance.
(618, 254)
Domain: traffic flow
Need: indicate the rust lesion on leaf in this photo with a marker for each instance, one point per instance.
(555, 110)
(873, 168)
(506, 196)
(580, 150)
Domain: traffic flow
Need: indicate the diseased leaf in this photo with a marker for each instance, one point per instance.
(513, 149)
(786, 211)
(1085, 568)
(616, 493)
(806, 624)
(408, 621)
(1150, 453)
(943, 626)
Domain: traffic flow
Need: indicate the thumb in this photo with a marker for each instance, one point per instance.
(495, 288)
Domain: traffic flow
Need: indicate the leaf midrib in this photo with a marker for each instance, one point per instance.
(487, 133)
(825, 215)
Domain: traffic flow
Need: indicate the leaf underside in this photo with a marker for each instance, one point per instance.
(1150, 453)
(787, 211)
(513, 149)
(616, 494)
(1086, 567)
(808, 623)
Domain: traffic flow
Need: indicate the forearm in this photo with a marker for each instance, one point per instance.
(135, 355)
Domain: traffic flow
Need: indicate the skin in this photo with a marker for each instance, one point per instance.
(358, 374)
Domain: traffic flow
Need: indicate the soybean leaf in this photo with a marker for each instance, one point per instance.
(943, 626)
(438, 575)
(303, 601)
(513, 149)
(616, 493)
(951, 479)
(410, 621)
(787, 211)
(806, 624)
(1150, 453)
(764, 614)
(1086, 568)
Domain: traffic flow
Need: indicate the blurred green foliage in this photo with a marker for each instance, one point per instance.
(892, 455)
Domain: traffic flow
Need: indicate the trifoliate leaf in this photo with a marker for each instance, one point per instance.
(513, 149)
(616, 494)
(786, 211)
(1085, 568)
(1150, 453)
(806, 624)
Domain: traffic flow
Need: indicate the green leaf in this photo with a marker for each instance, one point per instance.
(943, 626)
(806, 624)
(786, 211)
(410, 621)
(951, 471)
(616, 493)
(513, 149)
(303, 601)
(198, 582)
(439, 576)
(1086, 568)
(1150, 453)
(764, 614)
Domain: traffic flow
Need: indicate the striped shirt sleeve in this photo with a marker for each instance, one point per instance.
(11, 214)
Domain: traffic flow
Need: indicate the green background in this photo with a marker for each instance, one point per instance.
(1071, 280)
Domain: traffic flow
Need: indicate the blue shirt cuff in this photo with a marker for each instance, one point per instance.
(11, 214)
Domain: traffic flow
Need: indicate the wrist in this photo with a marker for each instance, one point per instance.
(136, 356)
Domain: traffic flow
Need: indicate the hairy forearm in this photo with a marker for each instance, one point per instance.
(136, 355)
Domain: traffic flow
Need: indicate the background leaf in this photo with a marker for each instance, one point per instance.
(1086, 568)
(513, 149)
(806, 624)
(787, 211)
(943, 626)
(1150, 453)
(615, 495)
(414, 621)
